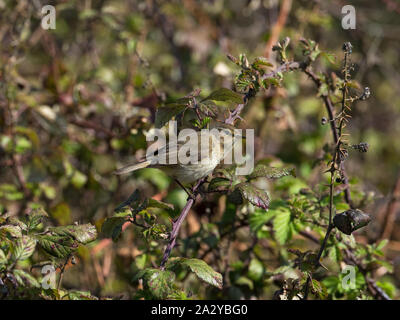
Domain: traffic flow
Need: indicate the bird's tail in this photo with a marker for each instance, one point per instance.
(132, 167)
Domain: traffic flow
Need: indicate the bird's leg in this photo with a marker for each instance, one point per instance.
(189, 193)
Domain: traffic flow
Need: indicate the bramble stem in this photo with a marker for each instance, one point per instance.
(176, 225)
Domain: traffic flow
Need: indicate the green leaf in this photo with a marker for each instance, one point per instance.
(261, 62)
(35, 217)
(331, 284)
(256, 196)
(83, 233)
(152, 203)
(388, 287)
(3, 257)
(8, 229)
(244, 281)
(259, 218)
(262, 170)
(382, 244)
(24, 278)
(256, 270)
(219, 184)
(30, 133)
(135, 196)
(78, 179)
(225, 94)
(319, 289)
(10, 192)
(112, 227)
(282, 225)
(386, 264)
(22, 144)
(23, 248)
(81, 295)
(330, 57)
(200, 268)
(159, 283)
(57, 246)
(335, 254)
(167, 112)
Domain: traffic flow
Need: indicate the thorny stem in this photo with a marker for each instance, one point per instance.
(329, 108)
(176, 225)
(336, 163)
(337, 136)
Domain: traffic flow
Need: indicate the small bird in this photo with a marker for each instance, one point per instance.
(207, 160)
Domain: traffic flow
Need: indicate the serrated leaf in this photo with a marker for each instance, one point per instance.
(84, 233)
(271, 81)
(11, 230)
(262, 170)
(282, 225)
(160, 283)
(3, 257)
(35, 217)
(209, 108)
(219, 184)
(24, 278)
(57, 246)
(225, 94)
(200, 268)
(319, 289)
(23, 248)
(258, 219)
(254, 195)
(261, 62)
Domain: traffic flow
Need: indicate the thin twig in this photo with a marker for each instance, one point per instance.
(62, 269)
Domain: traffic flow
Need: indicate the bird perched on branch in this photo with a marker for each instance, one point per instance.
(195, 157)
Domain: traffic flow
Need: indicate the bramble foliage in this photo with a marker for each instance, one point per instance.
(21, 238)
(77, 102)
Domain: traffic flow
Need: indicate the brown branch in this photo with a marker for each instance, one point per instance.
(309, 236)
(19, 173)
(278, 26)
(390, 214)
